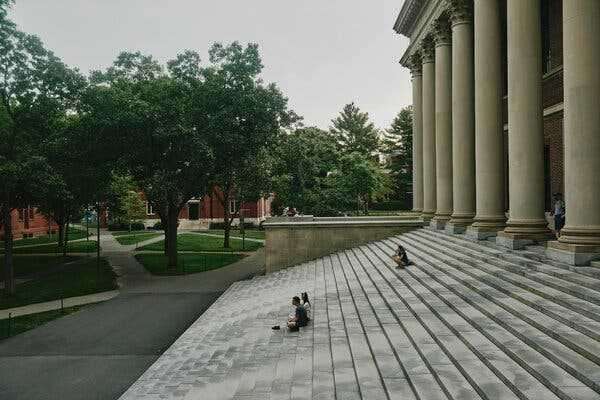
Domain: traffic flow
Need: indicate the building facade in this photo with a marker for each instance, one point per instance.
(505, 115)
(29, 222)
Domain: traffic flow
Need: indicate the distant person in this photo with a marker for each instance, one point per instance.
(300, 318)
(305, 303)
(401, 258)
(285, 211)
(559, 213)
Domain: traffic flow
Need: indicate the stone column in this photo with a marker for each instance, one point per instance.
(443, 122)
(463, 118)
(489, 139)
(580, 238)
(429, 189)
(527, 222)
(417, 150)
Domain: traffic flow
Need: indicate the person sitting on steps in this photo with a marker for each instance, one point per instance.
(306, 304)
(300, 318)
(401, 258)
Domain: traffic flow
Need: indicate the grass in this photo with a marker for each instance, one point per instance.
(26, 322)
(133, 239)
(186, 263)
(73, 247)
(250, 233)
(28, 265)
(195, 242)
(77, 279)
(46, 239)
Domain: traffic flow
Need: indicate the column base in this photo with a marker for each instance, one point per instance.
(486, 227)
(459, 223)
(519, 234)
(439, 221)
(427, 216)
(573, 254)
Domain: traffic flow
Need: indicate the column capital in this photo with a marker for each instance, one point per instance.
(441, 31)
(416, 64)
(460, 11)
(427, 49)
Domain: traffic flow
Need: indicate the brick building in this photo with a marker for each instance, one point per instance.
(28, 222)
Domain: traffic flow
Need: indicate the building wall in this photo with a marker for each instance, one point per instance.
(29, 222)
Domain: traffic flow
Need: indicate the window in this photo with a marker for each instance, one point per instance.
(21, 214)
(31, 213)
(232, 207)
(149, 210)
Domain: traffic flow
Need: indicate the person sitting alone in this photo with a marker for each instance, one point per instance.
(306, 304)
(300, 318)
(401, 258)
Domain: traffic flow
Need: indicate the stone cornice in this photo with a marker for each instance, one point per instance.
(408, 16)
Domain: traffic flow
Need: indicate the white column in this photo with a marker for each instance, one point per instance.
(580, 238)
(463, 118)
(526, 222)
(417, 134)
(429, 188)
(443, 122)
(489, 140)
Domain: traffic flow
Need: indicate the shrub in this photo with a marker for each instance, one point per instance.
(122, 226)
(221, 225)
(391, 205)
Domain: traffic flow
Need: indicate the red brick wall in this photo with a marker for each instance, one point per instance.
(553, 140)
(29, 222)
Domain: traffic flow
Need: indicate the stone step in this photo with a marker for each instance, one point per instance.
(522, 263)
(595, 263)
(514, 288)
(504, 328)
(573, 296)
(483, 357)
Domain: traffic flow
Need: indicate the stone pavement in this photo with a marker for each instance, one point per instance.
(468, 321)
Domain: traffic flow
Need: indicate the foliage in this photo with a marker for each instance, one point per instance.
(133, 207)
(398, 147)
(355, 132)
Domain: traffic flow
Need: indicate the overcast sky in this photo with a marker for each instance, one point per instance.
(322, 53)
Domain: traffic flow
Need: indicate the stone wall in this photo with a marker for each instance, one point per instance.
(290, 241)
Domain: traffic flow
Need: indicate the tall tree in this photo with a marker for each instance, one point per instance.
(398, 148)
(36, 90)
(355, 132)
(240, 115)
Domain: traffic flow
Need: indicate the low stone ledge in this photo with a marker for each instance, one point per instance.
(294, 240)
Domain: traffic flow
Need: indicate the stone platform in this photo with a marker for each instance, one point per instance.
(468, 321)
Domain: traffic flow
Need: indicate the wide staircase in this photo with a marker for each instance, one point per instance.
(467, 321)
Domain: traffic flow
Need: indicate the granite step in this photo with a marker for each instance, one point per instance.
(519, 262)
(505, 328)
(515, 288)
(573, 296)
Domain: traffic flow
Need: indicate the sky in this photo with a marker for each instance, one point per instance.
(321, 53)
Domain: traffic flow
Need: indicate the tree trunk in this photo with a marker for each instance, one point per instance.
(171, 244)
(164, 221)
(9, 273)
(61, 233)
(226, 219)
(66, 241)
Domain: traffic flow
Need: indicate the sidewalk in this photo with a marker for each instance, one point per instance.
(56, 304)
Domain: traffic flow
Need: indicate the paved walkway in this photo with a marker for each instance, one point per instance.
(468, 321)
(98, 352)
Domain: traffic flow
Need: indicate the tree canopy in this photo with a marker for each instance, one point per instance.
(355, 132)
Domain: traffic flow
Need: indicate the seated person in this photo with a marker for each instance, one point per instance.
(401, 258)
(300, 318)
(306, 304)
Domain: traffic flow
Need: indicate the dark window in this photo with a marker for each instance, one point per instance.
(31, 212)
(21, 214)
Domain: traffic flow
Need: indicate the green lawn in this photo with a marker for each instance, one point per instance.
(186, 263)
(28, 265)
(73, 235)
(250, 233)
(76, 279)
(127, 233)
(26, 322)
(73, 247)
(195, 242)
(133, 239)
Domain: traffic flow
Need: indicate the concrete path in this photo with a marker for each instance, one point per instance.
(98, 352)
(56, 304)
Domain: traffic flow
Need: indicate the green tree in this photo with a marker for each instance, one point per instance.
(241, 116)
(398, 148)
(355, 132)
(360, 180)
(133, 207)
(36, 91)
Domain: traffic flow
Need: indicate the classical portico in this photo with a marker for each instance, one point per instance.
(505, 115)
